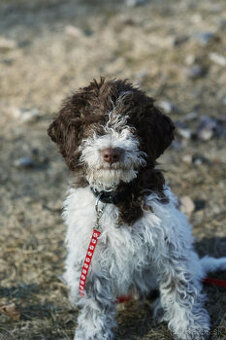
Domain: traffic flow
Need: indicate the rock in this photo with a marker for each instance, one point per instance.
(218, 59)
(196, 71)
(204, 37)
(7, 44)
(134, 3)
(177, 145)
(165, 105)
(187, 206)
(182, 130)
(73, 31)
(205, 134)
(224, 100)
(199, 159)
(179, 40)
(207, 127)
(187, 159)
(25, 115)
(24, 162)
(190, 59)
(191, 116)
(199, 204)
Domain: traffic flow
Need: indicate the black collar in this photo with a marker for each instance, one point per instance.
(113, 197)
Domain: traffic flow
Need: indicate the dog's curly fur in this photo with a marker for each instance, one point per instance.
(145, 241)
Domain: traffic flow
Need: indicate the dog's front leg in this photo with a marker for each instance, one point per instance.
(181, 298)
(97, 315)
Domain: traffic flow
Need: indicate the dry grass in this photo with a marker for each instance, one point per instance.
(49, 60)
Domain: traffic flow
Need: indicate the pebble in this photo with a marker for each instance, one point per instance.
(207, 127)
(7, 44)
(199, 159)
(179, 40)
(177, 145)
(134, 3)
(24, 162)
(196, 71)
(217, 58)
(187, 159)
(191, 116)
(73, 31)
(199, 204)
(190, 59)
(184, 132)
(165, 105)
(25, 115)
(205, 134)
(187, 205)
(204, 37)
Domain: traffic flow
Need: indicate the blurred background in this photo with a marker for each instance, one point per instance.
(176, 52)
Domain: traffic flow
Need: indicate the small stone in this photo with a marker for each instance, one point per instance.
(25, 115)
(7, 44)
(165, 105)
(199, 204)
(179, 40)
(24, 162)
(187, 206)
(177, 145)
(218, 59)
(204, 37)
(196, 71)
(199, 159)
(187, 159)
(73, 31)
(190, 59)
(134, 3)
(184, 132)
(224, 100)
(191, 116)
(205, 134)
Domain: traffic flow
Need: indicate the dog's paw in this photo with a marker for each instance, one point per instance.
(86, 335)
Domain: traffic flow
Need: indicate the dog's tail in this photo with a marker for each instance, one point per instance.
(211, 264)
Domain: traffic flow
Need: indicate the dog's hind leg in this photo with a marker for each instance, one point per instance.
(181, 298)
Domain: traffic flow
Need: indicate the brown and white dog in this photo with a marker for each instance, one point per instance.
(110, 135)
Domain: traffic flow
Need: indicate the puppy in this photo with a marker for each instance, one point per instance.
(110, 135)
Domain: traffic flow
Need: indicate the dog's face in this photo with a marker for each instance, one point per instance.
(110, 131)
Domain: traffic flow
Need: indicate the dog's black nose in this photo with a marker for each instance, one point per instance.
(111, 155)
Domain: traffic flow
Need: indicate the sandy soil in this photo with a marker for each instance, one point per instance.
(47, 49)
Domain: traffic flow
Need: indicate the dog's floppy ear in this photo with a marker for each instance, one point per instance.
(66, 131)
(162, 132)
(156, 130)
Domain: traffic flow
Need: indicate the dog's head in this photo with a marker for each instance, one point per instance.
(110, 130)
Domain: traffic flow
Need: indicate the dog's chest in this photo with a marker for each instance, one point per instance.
(120, 249)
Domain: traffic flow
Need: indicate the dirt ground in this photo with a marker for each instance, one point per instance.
(175, 50)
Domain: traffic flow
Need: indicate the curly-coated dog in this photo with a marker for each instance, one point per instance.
(110, 135)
